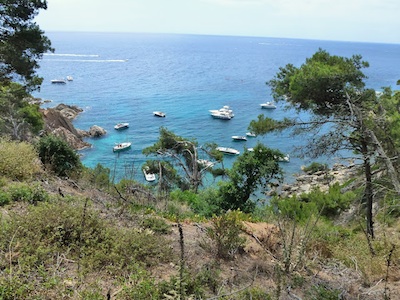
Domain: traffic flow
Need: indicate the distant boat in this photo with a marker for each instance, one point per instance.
(285, 158)
(250, 134)
(224, 113)
(58, 81)
(239, 138)
(147, 175)
(268, 105)
(227, 150)
(159, 114)
(69, 78)
(121, 126)
(121, 146)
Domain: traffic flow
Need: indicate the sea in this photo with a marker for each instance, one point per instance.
(125, 77)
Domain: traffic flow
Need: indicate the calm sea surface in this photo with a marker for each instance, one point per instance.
(123, 77)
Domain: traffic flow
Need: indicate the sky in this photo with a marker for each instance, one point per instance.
(338, 20)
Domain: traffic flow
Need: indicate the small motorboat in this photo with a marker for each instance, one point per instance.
(122, 146)
(159, 114)
(285, 158)
(147, 175)
(227, 150)
(69, 78)
(239, 138)
(250, 134)
(120, 126)
(268, 105)
(58, 81)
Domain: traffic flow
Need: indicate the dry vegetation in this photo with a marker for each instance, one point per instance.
(86, 244)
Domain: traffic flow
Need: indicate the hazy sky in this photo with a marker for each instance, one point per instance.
(342, 20)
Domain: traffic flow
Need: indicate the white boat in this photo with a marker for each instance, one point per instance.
(121, 126)
(69, 78)
(147, 175)
(159, 114)
(250, 134)
(250, 149)
(239, 138)
(268, 105)
(227, 150)
(225, 113)
(285, 158)
(122, 146)
(58, 81)
(221, 115)
(205, 163)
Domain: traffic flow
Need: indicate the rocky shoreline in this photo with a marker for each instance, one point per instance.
(307, 181)
(58, 121)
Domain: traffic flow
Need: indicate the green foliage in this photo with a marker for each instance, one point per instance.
(331, 203)
(301, 208)
(156, 224)
(19, 160)
(19, 118)
(31, 193)
(23, 42)
(322, 292)
(253, 294)
(98, 177)
(315, 167)
(250, 172)
(58, 156)
(142, 286)
(5, 198)
(224, 234)
(182, 157)
(203, 203)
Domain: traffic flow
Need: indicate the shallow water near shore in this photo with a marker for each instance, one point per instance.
(124, 77)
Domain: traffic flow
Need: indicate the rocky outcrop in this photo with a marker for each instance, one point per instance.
(58, 121)
(306, 182)
(96, 131)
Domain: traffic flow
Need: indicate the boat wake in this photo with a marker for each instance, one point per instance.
(71, 55)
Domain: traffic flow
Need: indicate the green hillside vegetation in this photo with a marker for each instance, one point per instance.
(71, 232)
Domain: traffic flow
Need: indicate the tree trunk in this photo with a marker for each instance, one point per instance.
(368, 189)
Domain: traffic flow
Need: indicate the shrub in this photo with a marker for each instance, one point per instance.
(99, 176)
(19, 160)
(5, 198)
(157, 225)
(31, 193)
(225, 234)
(56, 154)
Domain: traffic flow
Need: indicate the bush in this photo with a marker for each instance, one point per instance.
(225, 234)
(57, 155)
(157, 225)
(5, 198)
(19, 160)
(31, 193)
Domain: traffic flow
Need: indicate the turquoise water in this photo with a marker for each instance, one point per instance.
(123, 77)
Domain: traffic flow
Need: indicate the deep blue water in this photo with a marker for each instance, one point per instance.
(124, 77)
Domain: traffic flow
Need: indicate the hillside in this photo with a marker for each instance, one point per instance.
(67, 267)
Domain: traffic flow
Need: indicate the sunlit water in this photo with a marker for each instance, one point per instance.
(125, 77)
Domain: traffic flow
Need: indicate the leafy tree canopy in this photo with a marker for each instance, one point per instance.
(321, 83)
(22, 41)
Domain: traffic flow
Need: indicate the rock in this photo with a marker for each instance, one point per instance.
(60, 125)
(96, 131)
(68, 111)
(74, 141)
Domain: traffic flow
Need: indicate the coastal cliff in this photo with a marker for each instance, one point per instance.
(58, 121)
